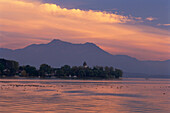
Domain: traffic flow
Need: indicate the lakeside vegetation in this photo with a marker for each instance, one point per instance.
(9, 68)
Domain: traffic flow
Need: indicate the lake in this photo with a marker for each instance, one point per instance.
(129, 95)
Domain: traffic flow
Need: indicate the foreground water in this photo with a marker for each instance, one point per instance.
(81, 96)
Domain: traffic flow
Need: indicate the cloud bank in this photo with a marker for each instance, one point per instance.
(23, 23)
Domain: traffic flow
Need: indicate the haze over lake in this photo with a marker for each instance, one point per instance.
(79, 96)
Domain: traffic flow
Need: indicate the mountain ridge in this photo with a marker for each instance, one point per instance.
(57, 53)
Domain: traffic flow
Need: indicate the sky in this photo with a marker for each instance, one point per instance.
(137, 28)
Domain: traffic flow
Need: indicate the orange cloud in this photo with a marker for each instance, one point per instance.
(150, 18)
(23, 23)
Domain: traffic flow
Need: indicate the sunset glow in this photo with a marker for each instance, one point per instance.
(23, 23)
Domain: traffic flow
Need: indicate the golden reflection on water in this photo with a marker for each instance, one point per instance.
(78, 96)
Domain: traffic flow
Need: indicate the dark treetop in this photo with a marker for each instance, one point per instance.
(10, 68)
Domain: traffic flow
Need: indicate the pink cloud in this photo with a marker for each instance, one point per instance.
(26, 22)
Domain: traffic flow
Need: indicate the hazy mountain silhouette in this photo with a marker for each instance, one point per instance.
(58, 53)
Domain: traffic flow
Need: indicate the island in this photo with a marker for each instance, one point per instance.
(11, 69)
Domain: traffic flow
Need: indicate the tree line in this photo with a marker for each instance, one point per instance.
(9, 68)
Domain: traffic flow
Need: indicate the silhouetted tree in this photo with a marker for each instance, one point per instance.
(2, 67)
(30, 70)
(45, 70)
(8, 67)
(118, 73)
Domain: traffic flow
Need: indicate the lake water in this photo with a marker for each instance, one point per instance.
(85, 96)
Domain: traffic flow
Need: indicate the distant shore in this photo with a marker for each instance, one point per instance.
(62, 78)
(11, 69)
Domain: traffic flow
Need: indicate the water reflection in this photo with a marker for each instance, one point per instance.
(67, 96)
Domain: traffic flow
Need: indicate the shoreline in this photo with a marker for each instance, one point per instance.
(60, 78)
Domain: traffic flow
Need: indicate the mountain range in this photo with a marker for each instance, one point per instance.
(58, 53)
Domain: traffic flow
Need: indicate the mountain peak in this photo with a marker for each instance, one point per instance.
(57, 41)
(90, 44)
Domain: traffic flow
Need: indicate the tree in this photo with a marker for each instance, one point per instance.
(107, 71)
(23, 73)
(45, 69)
(9, 67)
(2, 67)
(118, 73)
(66, 70)
(30, 70)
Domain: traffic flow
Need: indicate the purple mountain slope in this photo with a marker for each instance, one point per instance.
(58, 53)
